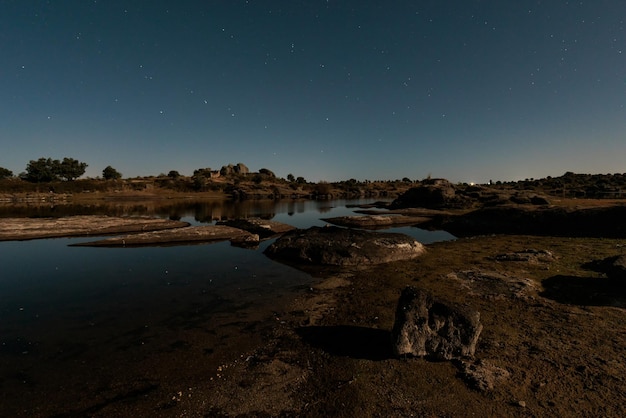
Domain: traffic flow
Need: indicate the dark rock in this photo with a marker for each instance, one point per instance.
(608, 222)
(426, 327)
(539, 200)
(343, 247)
(614, 267)
(432, 193)
(263, 228)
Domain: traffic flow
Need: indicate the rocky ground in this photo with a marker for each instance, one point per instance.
(552, 344)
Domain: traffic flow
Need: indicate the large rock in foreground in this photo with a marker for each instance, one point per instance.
(426, 327)
(343, 247)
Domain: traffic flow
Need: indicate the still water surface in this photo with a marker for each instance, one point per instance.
(68, 312)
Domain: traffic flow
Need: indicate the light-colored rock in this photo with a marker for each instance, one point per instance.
(426, 327)
(75, 226)
(482, 374)
(177, 236)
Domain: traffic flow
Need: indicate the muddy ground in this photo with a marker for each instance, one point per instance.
(554, 330)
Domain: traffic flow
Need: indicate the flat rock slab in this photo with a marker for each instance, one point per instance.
(343, 247)
(376, 221)
(262, 227)
(192, 234)
(14, 229)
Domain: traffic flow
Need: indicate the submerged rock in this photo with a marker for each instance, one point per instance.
(427, 327)
(343, 247)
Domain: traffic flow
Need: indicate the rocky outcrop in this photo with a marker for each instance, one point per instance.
(608, 222)
(343, 247)
(433, 194)
(441, 194)
(230, 169)
(76, 226)
(262, 227)
(375, 221)
(188, 235)
(427, 327)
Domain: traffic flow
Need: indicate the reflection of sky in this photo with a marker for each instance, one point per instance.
(46, 272)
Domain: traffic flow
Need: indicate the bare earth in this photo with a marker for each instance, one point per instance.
(553, 340)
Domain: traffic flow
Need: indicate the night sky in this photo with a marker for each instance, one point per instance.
(327, 90)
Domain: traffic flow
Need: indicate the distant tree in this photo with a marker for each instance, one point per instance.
(407, 180)
(291, 178)
(300, 180)
(42, 170)
(71, 169)
(173, 174)
(5, 173)
(109, 173)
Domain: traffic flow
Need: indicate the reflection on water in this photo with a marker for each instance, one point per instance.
(198, 211)
(75, 320)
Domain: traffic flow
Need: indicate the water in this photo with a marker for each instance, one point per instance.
(66, 312)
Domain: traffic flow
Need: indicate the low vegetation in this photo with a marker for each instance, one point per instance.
(49, 176)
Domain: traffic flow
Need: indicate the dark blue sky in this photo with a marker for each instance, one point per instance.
(328, 90)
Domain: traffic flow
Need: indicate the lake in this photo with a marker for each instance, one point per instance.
(79, 323)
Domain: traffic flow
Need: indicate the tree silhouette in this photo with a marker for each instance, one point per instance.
(5, 173)
(109, 173)
(71, 169)
(42, 170)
